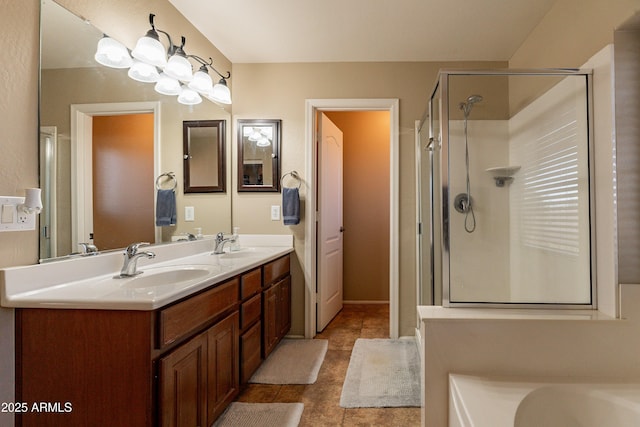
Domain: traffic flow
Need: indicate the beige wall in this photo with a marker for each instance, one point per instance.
(366, 201)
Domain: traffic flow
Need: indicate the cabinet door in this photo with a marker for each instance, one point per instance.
(250, 350)
(270, 312)
(222, 365)
(183, 385)
(284, 306)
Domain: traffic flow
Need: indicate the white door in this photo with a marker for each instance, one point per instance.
(329, 222)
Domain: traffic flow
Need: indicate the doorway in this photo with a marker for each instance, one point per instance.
(313, 107)
(82, 198)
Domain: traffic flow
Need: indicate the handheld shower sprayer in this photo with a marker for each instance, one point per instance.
(463, 202)
(467, 105)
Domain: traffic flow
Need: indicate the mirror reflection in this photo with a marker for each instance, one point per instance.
(76, 94)
(258, 155)
(204, 143)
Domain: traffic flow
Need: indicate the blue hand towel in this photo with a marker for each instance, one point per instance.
(290, 206)
(166, 208)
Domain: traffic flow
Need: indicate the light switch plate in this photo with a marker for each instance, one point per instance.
(275, 212)
(189, 213)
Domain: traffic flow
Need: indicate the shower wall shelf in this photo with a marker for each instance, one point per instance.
(503, 174)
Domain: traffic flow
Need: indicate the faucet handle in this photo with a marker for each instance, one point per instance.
(219, 237)
(132, 249)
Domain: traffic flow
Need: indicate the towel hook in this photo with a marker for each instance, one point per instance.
(169, 175)
(294, 175)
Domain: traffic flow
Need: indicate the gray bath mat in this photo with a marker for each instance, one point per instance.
(294, 361)
(241, 414)
(382, 373)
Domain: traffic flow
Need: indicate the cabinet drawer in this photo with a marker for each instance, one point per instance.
(250, 283)
(250, 311)
(250, 352)
(182, 318)
(275, 270)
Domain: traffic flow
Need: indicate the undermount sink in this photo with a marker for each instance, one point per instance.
(171, 275)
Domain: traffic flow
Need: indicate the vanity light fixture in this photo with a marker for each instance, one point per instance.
(150, 65)
(203, 83)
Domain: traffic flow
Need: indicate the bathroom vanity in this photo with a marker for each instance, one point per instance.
(169, 364)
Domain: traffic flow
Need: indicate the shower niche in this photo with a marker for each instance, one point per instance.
(505, 190)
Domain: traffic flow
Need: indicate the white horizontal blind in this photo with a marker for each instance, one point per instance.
(549, 184)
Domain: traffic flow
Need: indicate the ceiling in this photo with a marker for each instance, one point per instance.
(254, 31)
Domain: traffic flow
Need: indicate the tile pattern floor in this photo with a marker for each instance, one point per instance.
(322, 399)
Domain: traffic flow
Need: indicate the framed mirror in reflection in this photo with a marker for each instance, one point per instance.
(259, 155)
(204, 154)
(74, 93)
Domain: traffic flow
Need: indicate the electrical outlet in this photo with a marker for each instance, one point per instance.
(23, 217)
(275, 213)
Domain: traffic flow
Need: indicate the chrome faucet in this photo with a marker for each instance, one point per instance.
(88, 248)
(220, 241)
(131, 256)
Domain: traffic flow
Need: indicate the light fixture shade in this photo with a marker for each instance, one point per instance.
(221, 93)
(189, 96)
(150, 51)
(201, 82)
(167, 85)
(263, 142)
(143, 72)
(112, 53)
(179, 68)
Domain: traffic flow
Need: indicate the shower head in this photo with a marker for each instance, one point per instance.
(474, 98)
(468, 104)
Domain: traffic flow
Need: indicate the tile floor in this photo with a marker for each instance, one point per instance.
(322, 399)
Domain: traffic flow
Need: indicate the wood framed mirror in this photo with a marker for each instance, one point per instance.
(204, 156)
(259, 155)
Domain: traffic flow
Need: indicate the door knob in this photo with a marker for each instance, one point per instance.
(342, 229)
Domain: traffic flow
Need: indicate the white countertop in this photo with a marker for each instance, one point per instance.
(89, 283)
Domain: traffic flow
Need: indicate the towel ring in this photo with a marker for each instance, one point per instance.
(169, 175)
(294, 175)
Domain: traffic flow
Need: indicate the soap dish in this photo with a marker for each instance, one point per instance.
(503, 174)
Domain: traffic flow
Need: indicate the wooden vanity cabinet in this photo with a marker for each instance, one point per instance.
(179, 365)
(276, 297)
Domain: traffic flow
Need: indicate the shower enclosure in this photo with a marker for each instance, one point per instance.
(505, 200)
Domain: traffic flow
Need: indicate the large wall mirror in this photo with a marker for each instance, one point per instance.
(259, 155)
(76, 91)
(204, 147)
